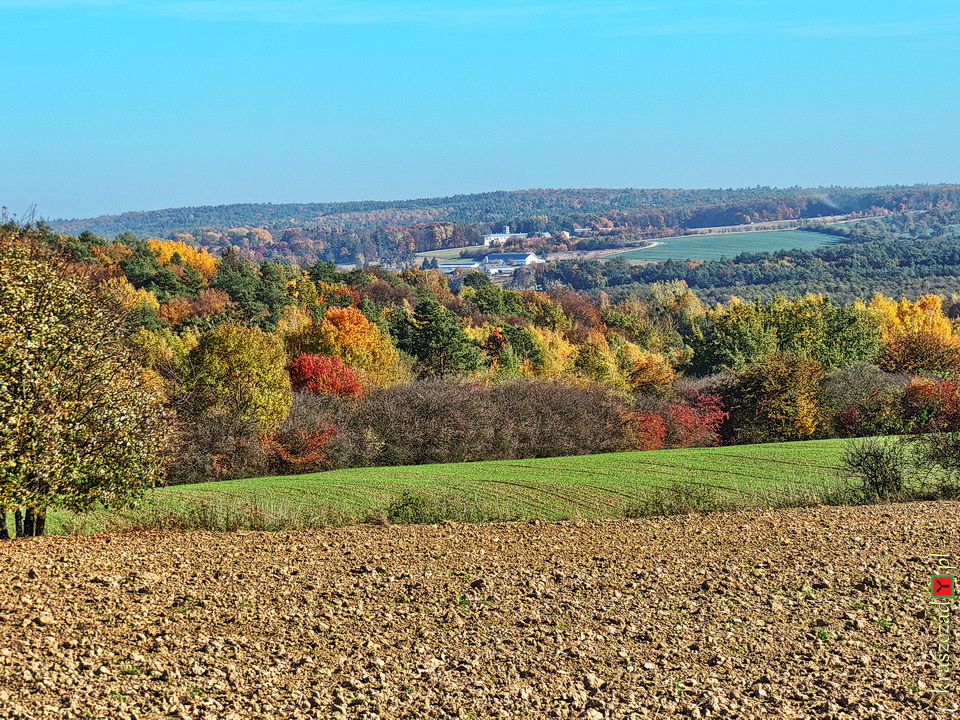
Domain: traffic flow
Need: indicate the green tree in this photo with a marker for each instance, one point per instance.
(476, 279)
(258, 290)
(732, 338)
(438, 342)
(810, 326)
(240, 371)
(83, 421)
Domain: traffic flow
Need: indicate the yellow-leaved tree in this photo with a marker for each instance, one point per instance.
(346, 333)
(240, 371)
(201, 260)
(918, 337)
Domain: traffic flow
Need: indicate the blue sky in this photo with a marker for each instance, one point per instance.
(117, 105)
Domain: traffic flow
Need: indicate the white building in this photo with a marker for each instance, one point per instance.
(501, 238)
(447, 268)
(506, 262)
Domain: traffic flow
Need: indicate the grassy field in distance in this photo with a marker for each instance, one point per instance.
(716, 246)
(711, 246)
(450, 254)
(584, 486)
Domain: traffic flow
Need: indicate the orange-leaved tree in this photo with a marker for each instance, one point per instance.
(347, 334)
(650, 373)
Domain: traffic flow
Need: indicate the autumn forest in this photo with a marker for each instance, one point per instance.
(202, 352)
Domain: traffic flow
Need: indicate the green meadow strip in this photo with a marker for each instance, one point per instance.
(585, 486)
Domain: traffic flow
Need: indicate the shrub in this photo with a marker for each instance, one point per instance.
(879, 466)
(650, 430)
(216, 446)
(937, 457)
(932, 405)
(435, 421)
(416, 508)
(694, 419)
(679, 498)
(861, 399)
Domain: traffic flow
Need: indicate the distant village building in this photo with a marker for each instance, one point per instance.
(447, 268)
(593, 230)
(506, 262)
(501, 238)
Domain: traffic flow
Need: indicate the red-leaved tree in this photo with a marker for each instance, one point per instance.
(649, 429)
(694, 419)
(324, 374)
(932, 405)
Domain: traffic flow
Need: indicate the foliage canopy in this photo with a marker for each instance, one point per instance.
(82, 421)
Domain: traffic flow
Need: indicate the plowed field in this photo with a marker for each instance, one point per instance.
(817, 612)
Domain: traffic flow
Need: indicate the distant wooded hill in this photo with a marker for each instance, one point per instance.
(391, 231)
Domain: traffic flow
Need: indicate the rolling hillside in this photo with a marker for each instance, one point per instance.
(587, 486)
(699, 208)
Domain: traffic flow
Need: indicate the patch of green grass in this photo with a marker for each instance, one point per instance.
(612, 485)
(186, 604)
(449, 254)
(716, 246)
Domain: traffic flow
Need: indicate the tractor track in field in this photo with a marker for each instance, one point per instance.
(801, 463)
(798, 613)
(694, 470)
(573, 500)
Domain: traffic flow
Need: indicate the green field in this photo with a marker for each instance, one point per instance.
(450, 254)
(702, 247)
(586, 486)
(714, 247)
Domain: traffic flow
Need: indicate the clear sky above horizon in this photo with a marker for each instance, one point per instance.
(120, 105)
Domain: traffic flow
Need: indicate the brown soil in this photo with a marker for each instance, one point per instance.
(788, 614)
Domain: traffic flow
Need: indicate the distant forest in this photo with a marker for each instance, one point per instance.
(908, 254)
(391, 232)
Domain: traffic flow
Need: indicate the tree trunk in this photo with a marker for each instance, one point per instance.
(28, 519)
(40, 522)
(4, 533)
(18, 522)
